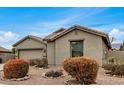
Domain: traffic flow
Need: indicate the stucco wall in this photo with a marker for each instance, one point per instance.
(117, 56)
(105, 52)
(30, 43)
(92, 46)
(51, 52)
(31, 54)
(6, 56)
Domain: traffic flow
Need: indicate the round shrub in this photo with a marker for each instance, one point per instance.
(42, 63)
(53, 73)
(84, 69)
(114, 69)
(16, 68)
(108, 66)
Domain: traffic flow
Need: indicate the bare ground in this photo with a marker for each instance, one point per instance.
(37, 79)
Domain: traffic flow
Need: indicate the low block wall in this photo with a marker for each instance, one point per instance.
(6, 56)
(115, 56)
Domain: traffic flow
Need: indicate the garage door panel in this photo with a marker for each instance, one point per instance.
(30, 54)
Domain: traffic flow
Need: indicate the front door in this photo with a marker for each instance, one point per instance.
(76, 48)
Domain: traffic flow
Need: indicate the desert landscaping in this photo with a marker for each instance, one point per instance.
(37, 79)
(40, 61)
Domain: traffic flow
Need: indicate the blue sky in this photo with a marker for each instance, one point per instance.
(16, 23)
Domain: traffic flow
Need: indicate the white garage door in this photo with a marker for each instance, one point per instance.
(31, 54)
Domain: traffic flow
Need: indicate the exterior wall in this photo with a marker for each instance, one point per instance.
(31, 54)
(30, 43)
(33, 49)
(105, 52)
(116, 56)
(51, 52)
(92, 46)
(6, 56)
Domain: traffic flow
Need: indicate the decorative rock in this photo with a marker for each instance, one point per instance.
(51, 77)
(40, 68)
(17, 79)
(25, 78)
(43, 75)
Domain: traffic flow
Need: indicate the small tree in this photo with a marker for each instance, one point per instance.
(13, 50)
(112, 39)
(122, 46)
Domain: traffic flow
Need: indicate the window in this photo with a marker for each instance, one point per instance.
(76, 48)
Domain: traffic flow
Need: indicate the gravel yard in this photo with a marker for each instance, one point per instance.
(37, 79)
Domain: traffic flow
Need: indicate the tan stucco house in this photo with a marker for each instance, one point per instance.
(5, 54)
(30, 47)
(76, 41)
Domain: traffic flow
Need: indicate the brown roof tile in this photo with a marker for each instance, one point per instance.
(39, 39)
(2, 49)
(60, 33)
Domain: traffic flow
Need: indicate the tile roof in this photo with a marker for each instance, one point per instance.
(39, 39)
(2, 49)
(54, 34)
(62, 32)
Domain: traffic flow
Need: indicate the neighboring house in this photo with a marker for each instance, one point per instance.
(30, 47)
(5, 54)
(77, 41)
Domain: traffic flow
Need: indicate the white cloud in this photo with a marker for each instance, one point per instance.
(33, 33)
(42, 35)
(9, 35)
(7, 38)
(117, 34)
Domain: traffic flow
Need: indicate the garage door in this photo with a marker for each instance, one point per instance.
(30, 54)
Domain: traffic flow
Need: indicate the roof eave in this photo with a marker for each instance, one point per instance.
(29, 36)
(72, 28)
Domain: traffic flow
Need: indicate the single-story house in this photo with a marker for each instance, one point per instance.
(5, 54)
(77, 41)
(30, 47)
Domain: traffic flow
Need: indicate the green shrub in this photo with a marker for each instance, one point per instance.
(119, 70)
(32, 62)
(112, 60)
(15, 68)
(39, 62)
(84, 69)
(108, 66)
(114, 69)
(53, 73)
